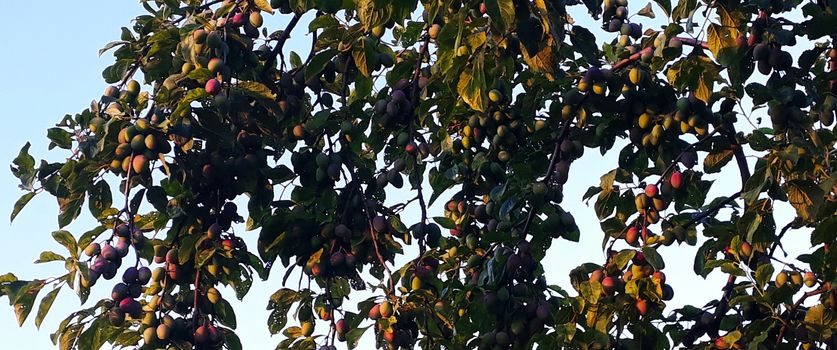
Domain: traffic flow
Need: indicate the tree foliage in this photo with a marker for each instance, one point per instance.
(485, 103)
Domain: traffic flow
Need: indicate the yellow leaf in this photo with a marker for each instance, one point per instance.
(263, 5)
(471, 86)
(543, 61)
(720, 37)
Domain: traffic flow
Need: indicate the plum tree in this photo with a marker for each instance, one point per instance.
(478, 110)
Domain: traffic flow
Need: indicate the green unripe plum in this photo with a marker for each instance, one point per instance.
(96, 123)
(214, 40)
(142, 125)
(495, 96)
(138, 143)
(186, 68)
(133, 87)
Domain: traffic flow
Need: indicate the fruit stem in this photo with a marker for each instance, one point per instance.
(195, 309)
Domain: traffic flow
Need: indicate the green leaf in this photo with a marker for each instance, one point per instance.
(60, 138)
(203, 256)
(69, 208)
(318, 62)
(322, 22)
(821, 25)
(365, 57)
(695, 73)
(445, 222)
(353, 336)
(100, 198)
(502, 14)
(816, 315)
(296, 61)
(225, 313)
(653, 258)
(755, 184)
(20, 203)
(370, 15)
(185, 103)
(825, 232)
(471, 86)
(256, 90)
(280, 302)
(722, 42)
(67, 240)
(590, 290)
(623, 258)
(46, 304)
(24, 168)
(584, 42)
(22, 296)
(89, 236)
(683, 9)
(111, 45)
(232, 340)
(763, 275)
(47, 256)
(117, 71)
(129, 338)
(806, 197)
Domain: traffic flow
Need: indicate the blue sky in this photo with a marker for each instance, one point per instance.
(51, 68)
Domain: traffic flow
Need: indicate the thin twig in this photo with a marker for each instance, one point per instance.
(777, 242)
(793, 309)
(280, 43)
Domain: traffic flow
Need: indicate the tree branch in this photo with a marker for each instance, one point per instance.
(280, 43)
(793, 309)
(712, 210)
(553, 159)
(677, 159)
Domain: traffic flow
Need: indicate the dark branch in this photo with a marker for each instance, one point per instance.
(280, 43)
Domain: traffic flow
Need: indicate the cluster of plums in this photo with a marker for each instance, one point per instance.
(616, 18)
(516, 300)
(139, 144)
(613, 280)
(401, 333)
(396, 109)
(108, 256)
